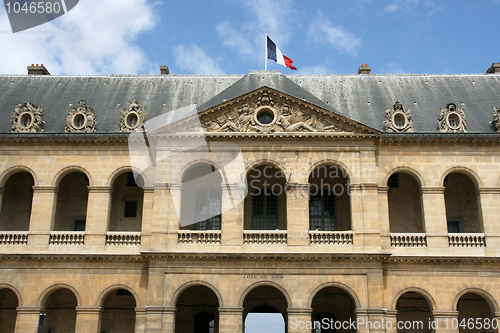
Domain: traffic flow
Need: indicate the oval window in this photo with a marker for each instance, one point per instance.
(79, 120)
(26, 120)
(132, 120)
(265, 116)
(454, 120)
(399, 120)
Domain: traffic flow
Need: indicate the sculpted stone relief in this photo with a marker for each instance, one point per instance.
(80, 119)
(267, 114)
(452, 119)
(27, 118)
(397, 119)
(496, 118)
(133, 117)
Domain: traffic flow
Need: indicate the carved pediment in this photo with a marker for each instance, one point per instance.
(267, 111)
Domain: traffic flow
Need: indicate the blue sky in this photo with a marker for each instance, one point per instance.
(227, 37)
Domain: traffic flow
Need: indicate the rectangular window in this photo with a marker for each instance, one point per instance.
(130, 208)
(454, 226)
(78, 224)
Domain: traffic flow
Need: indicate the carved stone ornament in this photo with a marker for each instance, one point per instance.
(496, 118)
(133, 118)
(80, 119)
(266, 114)
(27, 118)
(397, 119)
(452, 119)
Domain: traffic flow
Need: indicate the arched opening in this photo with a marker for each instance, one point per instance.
(414, 313)
(118, 312)
(197, 311)
(329, 199)
(472, 305)
(72, 197)
(265, 204)
(201, 198)
(265, 310)
(462, 204)
(332, 305)
(126, 203)
(405, 204)
(60, 312)
(8, 313)
(16, 202)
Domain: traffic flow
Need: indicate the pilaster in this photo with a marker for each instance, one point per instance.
(98, 207)
(297, 206)
(42, 214)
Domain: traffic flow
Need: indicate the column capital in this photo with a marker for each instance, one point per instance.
(489, 190)
(45, 189)
(433, 190)
(441, 313)
(100, 189)
(148, 189)
(383, 189)
(160, 309)
(230, 310)
(299, 310)
(88, 309)
(30, 309)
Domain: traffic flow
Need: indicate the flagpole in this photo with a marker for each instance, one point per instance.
(265, 68)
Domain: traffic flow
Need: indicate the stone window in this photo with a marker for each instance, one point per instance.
(265, 116)
(78, 224)
(265, 212)
(133, 117)
(130, 208)
(80, 119)
(397, 119)
(452, 119)
(208, 208)
(27, 118)
(322, 210)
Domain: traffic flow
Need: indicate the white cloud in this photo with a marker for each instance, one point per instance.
(317, 69)
(96, 37)
(322, 30)
(194, 60)
(247, 40)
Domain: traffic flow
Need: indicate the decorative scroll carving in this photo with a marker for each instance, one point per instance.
(397, 119)
(132, 118)
(452, 119)
(496, 118)
(27, 118)
(268, 115)
(81, 119)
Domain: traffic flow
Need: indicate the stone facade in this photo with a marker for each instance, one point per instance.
(408, 226)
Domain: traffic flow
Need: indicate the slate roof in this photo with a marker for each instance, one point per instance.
(363, 98)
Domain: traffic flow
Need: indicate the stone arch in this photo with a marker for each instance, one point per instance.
(118, 172)
(484, 294)
(430, 300)
(14, 290)
(465, 171)
(102, 296)
(339, 285)
(404, 169)
(330, 162)
(69, 169)
(193, 164)
(16, 201)
(264, 162)
(190, 284)
(15, 169)
(265, 283)
(118, 305)
(47, 292)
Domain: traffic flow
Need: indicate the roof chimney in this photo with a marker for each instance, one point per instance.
(364, 69)
(494, 69)
(37, 70)
(164, 70)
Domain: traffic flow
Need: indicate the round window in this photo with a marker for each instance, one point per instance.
(265, 116)
(399, 120)
(79, 120)
(26, 120)
(132, 120)
(454, 120)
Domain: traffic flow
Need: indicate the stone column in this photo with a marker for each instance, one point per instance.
(443, 321)
(232, 219)
(489, 199)
(168, 319)
(147, 217)
(27, 319)
(391, 321)
(297, 212)
(98, 206)
(362, 319)
(165, 220)
(230, 320)
(87, 319)
(383, 216)
(155, 320)
(434, 206)
(299, 320)
(140, 320)
(365, 223)
(42, 214)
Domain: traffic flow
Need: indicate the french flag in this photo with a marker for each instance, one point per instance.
(274, 53)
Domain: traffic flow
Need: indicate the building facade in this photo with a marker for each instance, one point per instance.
(366, 202)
